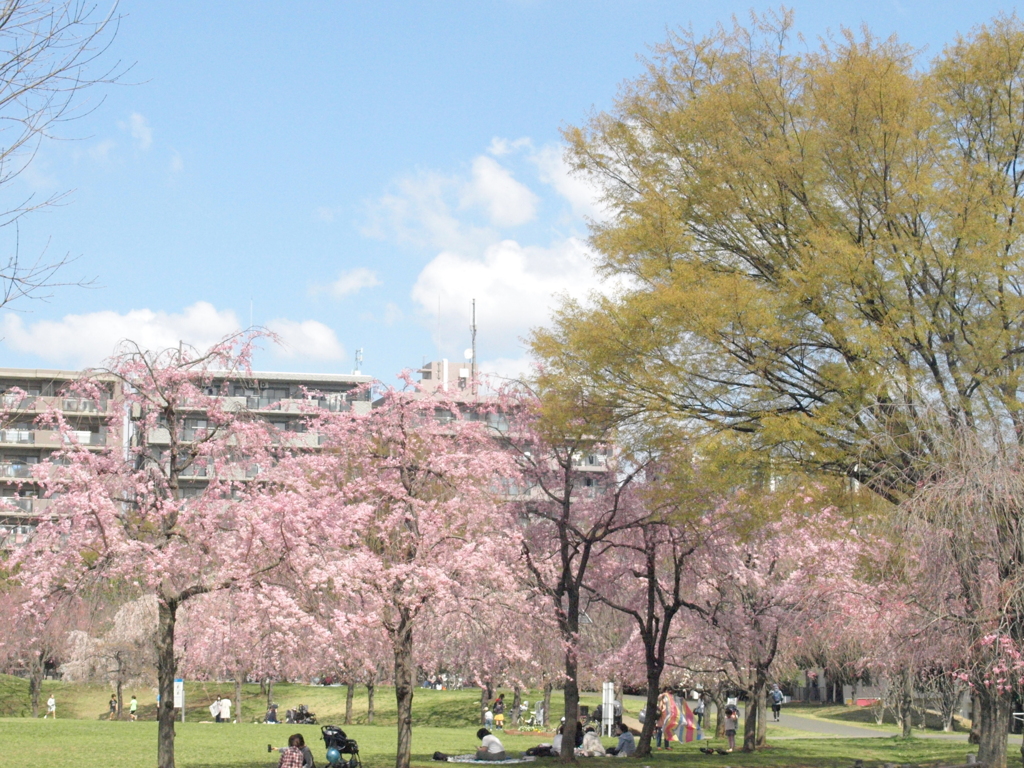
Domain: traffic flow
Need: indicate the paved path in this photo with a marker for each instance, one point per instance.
(825, 727)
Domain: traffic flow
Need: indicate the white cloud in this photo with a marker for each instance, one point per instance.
(80, 341)
(418, 213)
(101, 151)
(140, 130)
(582, 196)
(349, 282)
(502, 369)
(177, 164)
(515, 288)
(307, 339)
(393, 314)
(500, 146)
(492, 187)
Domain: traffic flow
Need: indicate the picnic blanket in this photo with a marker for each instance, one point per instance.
(507, 761)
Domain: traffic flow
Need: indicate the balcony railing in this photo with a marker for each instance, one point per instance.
(29, 506)
(16, 470)
(17, 436)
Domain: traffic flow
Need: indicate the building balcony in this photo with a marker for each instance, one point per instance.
(41, 404)
(16, 507)
(15, 470)
(49, 438)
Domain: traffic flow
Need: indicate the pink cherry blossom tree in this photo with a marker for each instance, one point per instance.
(130, 512)
(649, 572)
(35, 633)
(399, 509)
(122, 654)
(963, 528)
(573, 497)
(764, 579)
(248, 632)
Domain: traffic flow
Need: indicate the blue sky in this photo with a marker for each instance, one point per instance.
(351, 174)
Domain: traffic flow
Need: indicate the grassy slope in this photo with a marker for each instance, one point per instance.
(864, 717)
(431, 708)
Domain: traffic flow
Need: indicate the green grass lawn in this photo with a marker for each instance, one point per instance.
(444, 721)
(28, 743)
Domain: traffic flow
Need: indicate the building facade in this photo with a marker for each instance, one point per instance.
(26, 394)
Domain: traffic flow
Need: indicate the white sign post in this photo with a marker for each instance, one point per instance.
(607, 708)
(179, 696)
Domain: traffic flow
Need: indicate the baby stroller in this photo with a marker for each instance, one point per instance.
(338, 745)
(300, 716)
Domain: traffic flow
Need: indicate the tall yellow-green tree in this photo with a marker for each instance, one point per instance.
(817, 242)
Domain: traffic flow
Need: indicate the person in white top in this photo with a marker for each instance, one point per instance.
(215, 710)
(225, 710)
(51, 708)
(490, 747)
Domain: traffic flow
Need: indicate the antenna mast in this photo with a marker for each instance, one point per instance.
(472, 362)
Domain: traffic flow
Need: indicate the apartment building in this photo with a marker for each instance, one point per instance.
(276, 397)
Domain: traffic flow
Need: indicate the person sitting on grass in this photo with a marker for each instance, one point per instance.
(490, 747)
(295, 741)
(626, 745)
(291, 756)
(592, 746)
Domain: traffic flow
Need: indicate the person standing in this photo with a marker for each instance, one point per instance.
(225, 710)
(776, 697)
(668, 716)
(112, 706)
(499, 712)
(133, 708)
(51, 707)
(732, 721)
(698, 712)
(215, 710)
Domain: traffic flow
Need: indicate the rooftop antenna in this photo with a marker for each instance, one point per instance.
(359, 361)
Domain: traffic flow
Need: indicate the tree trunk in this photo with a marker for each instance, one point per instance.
(349, 694)
(755, 707)
(371, 694)
(905, 708)
(517, 702)
(572, 706)
(719, 700)
(165, 669)
(547, 703)
(995, 725)
(975, 735)
(485, 701)
(270, 691)
(35, 682)
(239, 679)
(762, 719)
(643, 747)
(120, 696)
(405, 686)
